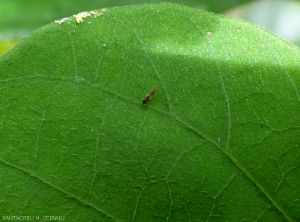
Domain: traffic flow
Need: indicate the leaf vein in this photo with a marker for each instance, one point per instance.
(182, 123)
(55, 187)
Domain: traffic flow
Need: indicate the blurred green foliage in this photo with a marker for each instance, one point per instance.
(279, 16)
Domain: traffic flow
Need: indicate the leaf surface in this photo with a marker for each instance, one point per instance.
(218, 142)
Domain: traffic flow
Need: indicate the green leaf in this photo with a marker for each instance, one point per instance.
(218, 142)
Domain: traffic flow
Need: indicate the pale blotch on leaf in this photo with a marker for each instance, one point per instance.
(96, 14)
(209, 34)
(79, 18)
(61, 21)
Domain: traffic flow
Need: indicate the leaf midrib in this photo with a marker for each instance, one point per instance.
(183, 124)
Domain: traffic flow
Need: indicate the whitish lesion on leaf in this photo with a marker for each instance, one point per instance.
(81, 16)
(61, 21)
(209, 34)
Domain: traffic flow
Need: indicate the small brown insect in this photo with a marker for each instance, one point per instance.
(150, 96)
